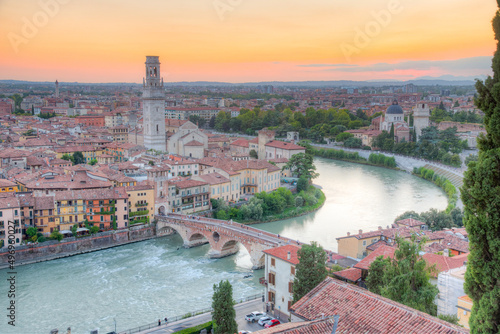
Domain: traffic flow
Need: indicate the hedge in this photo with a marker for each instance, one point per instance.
(196, 329)
(441, 182)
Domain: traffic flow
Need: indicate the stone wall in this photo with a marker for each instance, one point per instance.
(72, 246)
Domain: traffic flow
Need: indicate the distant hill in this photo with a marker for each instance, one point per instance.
(447, 80)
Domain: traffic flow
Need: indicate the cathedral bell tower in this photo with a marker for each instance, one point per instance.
(153, 106)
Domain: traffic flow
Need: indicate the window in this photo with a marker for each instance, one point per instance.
(273, 262)
(290, 287)
(271, 297)
(272, 278)
(364, 242)
(292, 270)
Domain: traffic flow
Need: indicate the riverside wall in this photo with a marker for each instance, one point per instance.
(54, 249)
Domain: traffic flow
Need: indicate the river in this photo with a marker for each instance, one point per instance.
(139, 283)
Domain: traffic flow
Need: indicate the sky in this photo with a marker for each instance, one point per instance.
(245, 40)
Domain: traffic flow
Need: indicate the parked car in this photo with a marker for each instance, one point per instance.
(272, 323)
(264, 320)
(254, 316)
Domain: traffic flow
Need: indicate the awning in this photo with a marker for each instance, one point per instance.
(81, 229)
(66, 232)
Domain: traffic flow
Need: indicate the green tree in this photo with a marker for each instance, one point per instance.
(376, 278)
(310, 271)
(94, 230)
(302, 164)
(93, 162)
(32, 232)
(78, 158)
(198, 120)
(480, 194)
(56, 235)
(302, 184)
(405, 278)
(253, 154)
(223, 314)
(73, 229)
(66, 156)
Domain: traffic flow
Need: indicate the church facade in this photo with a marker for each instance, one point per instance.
(188, 141)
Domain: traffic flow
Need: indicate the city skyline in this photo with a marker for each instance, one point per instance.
(239, 41)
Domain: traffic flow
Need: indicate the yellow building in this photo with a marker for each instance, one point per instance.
(141, 199)
(45, 220)
(220, 186)
(464, 307)
(89, 152)
(70, 211)
(7, 186)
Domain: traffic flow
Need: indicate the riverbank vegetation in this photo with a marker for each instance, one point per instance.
(442, 146)
(277, 205)
(374, 159)
(441, 182)
(437, 220)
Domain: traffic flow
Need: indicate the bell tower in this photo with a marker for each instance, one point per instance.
(153, 106)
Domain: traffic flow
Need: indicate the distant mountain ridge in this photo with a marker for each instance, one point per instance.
(445, 80)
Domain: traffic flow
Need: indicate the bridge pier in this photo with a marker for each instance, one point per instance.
(194, 243)
(217, 254)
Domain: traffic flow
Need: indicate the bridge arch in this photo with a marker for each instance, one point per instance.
(196, 239)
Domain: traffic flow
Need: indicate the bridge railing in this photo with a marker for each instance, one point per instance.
(224, 223)
(186, 316)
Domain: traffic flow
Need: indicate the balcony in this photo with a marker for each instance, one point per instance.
(138, 213)
(141, 204)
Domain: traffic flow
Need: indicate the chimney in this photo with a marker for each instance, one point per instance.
(360, 231)
(289, 256)
(380, 228)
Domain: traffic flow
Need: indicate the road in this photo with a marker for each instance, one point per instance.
(241, 310)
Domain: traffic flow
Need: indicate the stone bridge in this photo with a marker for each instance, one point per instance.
(223, 236)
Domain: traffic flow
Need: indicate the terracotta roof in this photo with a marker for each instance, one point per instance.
(7, 183)
(410, 222)
(361, 311)
(305, 327)
(240, 142)
(385, 251)
(214, 178)
(188, 183)
(445, 263)
(282, 253)
(193, 143)
(284, 145)
(351, 274)
(466, 298)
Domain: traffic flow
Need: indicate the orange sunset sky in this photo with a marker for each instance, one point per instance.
(244, 40)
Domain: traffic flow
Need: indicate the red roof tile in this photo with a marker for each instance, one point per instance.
(361, 311)
(351, 274)
(385, 251)
(282, 253)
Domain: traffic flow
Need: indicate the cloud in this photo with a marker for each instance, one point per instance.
(467, 64)
(327, 65)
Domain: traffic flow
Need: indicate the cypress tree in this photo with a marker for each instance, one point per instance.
(223, 314)
(310, 271)
(392, 131)
(481, 196)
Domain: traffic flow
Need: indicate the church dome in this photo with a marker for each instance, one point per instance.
(395, 108)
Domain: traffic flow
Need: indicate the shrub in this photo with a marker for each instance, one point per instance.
(196, 329)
